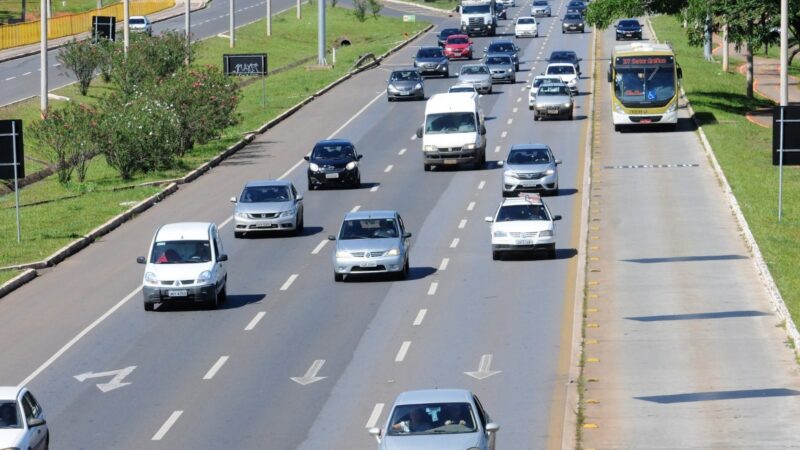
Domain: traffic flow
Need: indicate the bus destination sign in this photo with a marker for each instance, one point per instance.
(643, 60)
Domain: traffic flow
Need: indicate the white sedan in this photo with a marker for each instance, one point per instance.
(523, 224)
(526, 26)
(22, 424)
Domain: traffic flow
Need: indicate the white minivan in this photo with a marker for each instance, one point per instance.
(453, 133)
(185, 265)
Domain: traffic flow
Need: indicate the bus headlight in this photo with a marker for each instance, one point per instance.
(618, 108)
(673, 107)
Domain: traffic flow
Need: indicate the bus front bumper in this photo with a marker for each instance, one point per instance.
(668, 117)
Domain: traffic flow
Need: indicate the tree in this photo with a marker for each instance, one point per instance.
(82, 58)
(68, 137)
(750, 23)
(149, 59)
(375, 7)
(360, 10)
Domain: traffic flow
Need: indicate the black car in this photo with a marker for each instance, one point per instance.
(445, 33)
(572, 22)
(568, 56)
(505, 47)
(577, 6)
(629, 29)
(501, 11)
(333, 163)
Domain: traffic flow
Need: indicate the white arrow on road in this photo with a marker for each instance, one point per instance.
(115, 382)
(484, 370)
(311, 374)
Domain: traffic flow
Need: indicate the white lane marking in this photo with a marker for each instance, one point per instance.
(443, 265)
(56, 64)
(291, 169)
(355, 208)
(420, 317)
(376, 414)
(432, 288)
(167, 425)
(523, 88)
(503, 134)
(356, 115)
(413, 136)
(78, 337)
(462, 224)
(215, 368)
(519, 99)
(510, 121)
(10, 78)
(26, 74)
(497, 149)
(250, 326)
(454, 242)
(471, 206)
(289, 282)
(374, 188)
(481, 184)
(225, 222)
(514, 109)
(388, 168)
(402, 152)
(401, 354)
(319, 247)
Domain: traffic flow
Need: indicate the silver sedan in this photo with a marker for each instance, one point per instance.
(371, 242)
(553, 100)
(268, 205)
(477, 75)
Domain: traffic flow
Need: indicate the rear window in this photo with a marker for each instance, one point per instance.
(526, 20)
(549, 89)
(561, 70)
(333, 151)
(180, 252)
(474, 70)
(405, 75)
(628, 23)
(529, 156)
(265, 194)
(501, 48)
(512, 213)
(496, 60)
(432, 418)
(573, 17)
(134, 21)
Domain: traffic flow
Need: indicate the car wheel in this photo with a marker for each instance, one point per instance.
(238, 234)
(514, 80)
(403, 274)
(535, 116)
(427, 167)
(505, 193)
(617, 128)
(357, 183)
(490, 89)
(148, 306)
(496, 255)
(337, 277)
(298, 228)
(389, 99)
(223, 294)
(213, 303)
(551, 253)
(563, 32)
(310, 185)
(555, 192)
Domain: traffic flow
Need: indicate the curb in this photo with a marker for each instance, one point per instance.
(77, 245)
(758, 259)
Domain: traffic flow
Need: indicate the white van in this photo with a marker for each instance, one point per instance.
(453, 132)
(185, 265)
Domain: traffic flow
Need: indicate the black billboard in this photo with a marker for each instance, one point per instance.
(11, 142)
(791, 135)
(104, 27)
(252, 64)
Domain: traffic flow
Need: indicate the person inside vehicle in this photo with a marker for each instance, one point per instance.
(416, 422)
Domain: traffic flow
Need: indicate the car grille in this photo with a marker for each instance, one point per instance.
(476, 20)
(523, 234)
(172, 282)
(378, 268)
(364, 254)
(263, 215)
(530, 176)
(449, 149)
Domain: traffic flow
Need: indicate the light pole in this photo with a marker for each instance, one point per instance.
(232, 37)
(298, 9)
(126, 32)
(321, 34)
(784, 52)
(269, 17)
(186, 18)
(43, 62)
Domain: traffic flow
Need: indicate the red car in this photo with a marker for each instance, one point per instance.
(458, 46)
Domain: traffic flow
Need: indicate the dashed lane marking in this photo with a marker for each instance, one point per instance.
(375, 415)
(481, 184)
(462, 224)
(471, 206)
(454, 242)
(289, 282)
(401, 354)
(432, 288)
(355, 208)
(167, 425)
(443, 265)
(420, 317)
(402, 152)
(215, 368)
(250, 326)
(319, 247)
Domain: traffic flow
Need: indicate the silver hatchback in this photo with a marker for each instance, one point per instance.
(268, 205)
(371, 242)
(530, 167)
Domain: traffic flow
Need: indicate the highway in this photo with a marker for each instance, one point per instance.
(208, 379)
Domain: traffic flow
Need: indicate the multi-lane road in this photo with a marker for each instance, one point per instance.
(210, 379)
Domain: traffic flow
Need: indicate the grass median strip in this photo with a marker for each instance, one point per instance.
(744, 153)
(54, 214)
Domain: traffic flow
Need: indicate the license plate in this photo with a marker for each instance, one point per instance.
(451, 161)
(401, 93)
(645, 121)
(369, 264)
(524, 242)
(457, 54)
(331, 175)
(529, 183)
(177, 293)
(552, 111)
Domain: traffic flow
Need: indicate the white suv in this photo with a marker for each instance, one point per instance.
(523, 224)
(22, 424)
(185, 265)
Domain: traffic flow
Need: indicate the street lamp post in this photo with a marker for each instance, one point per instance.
(43, 62)
(784, 52)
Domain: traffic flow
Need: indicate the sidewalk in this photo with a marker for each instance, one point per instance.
(766, 74)
(32, 49)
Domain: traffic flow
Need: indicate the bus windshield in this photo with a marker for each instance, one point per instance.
(644, 81)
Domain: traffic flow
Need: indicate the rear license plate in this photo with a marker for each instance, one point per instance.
(524, 242)
(177, 293)
(369, 264)
(331, 175)
(451, 161)
(552, 111)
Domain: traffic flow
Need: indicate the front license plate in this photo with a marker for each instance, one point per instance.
(177, 293)
(552, 111)
(369, 264)
(645, 121)
(524, 242)
(331, 175)
(451, 161)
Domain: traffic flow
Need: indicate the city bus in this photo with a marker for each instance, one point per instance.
(644, 85)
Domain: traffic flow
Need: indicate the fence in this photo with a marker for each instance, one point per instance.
(57, 27)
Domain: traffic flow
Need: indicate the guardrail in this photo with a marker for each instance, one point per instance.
(19, 34)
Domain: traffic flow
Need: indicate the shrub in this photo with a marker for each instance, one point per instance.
(67, 135)
(360, 10)
(82, 58)
(375, 7)
(149, 60)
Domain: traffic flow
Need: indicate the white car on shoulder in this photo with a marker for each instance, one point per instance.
(22, 423)
(526, 26)
(523, 224)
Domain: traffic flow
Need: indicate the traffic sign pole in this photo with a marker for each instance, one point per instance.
(16, 178)
(780, 169)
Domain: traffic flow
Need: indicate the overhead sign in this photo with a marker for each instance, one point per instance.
(104, 27)
(245, 65)
(11, 149)
(791, 135)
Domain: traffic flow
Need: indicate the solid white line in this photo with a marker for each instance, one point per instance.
(10, 78)
(319, 247)
(215, 368)
(462, 224)
(420, 317)
(454, 243)
(167, 425)
(443, 265)
(374, 188)
(481, 184)
(289, 282)
(255, 321)
(355, 208)
(402, 151)
(388, 168)
(291, 169)
(225, 222)
(471, 206)
(401, 354)
(510, 121)
(503, 134)
(78, 337)
(376, 414)
(432, 288)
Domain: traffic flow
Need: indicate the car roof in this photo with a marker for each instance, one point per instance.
(499, 55)
(9, 392)
(433, 396)
(448, 30)
(254, 183)
(183, 231)
(525, 17)
(501, 41)
(548, 83)
(563, 53)
(406, 69)
(376, 214)
(429, 47)
(138, 17)
(451, 102)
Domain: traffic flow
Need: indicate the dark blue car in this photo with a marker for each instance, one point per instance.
(629, 29)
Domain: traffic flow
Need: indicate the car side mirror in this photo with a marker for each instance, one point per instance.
(406, 235)
(298, 198)
(359, 157)
(556, 217)
(615, 26)
(36, 422)
(376, 433)
(141, 260)
(483, 129)
(233, 199)
(331, 237)
(558, 161)
(488, 219)
(501, 163)
(223, 257)
(680, 73)
(492, 427)
(307, 158)
(419, 132)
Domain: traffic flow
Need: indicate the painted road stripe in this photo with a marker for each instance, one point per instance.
(255, 321)
(289, 282)
(413, 136)
(519, 99)
(514, 109)
(445, 262)
(420, 317)
(481, 185)
(471, 206)
(215, 368)
(376, 414)
(402, 151)
(462, 224)
(503, 134)
(454, 243)
(388, 168)
(510, 121)
(374, 188)
(355, 208)
(167, 425)
(10, 78)
(319, 247)
(401, 354)
(432, 288)
(497, 149)
(225, 222)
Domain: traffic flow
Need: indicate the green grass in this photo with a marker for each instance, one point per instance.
(744, 152)
(7, 275)
(73, 210)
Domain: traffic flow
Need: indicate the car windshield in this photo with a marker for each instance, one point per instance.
(628, 24)
(549, 89)
(561, 70)
(333, 151)
(474, 70)
(501, 48)
(461, 122)
(529, 156)
(526, 20)
(265, 194)
(457, 40)
(475, 9)
(573, 17)
(368, 229)
(538, 81)
(405, 75)
(540, 3)
(498, 60)
(180, 252)
(645, 84)
(429, 53)
(461, 89)
(8, 414)
(135, 21)
(512, 213)
(431, 418)
(448, 32)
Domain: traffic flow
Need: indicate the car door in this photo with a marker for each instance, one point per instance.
(218, 250)
(406, 241)
(37, 435)
(298, 202)
(484, 418)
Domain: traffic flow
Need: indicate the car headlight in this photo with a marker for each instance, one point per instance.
(580, 24)
(418, 86)
(342, 254)
(150, 277)
(313, 167)
(510, 70)
(618, 108)
(351, 165)
(204, 277)
(469, 147)
(567, 105)
(546, 233)
(549, 172)
(393, 252)
(241, 215)
(500, 234)
(511, 174)
(392, 88)
(288, 212)
(429, 148)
